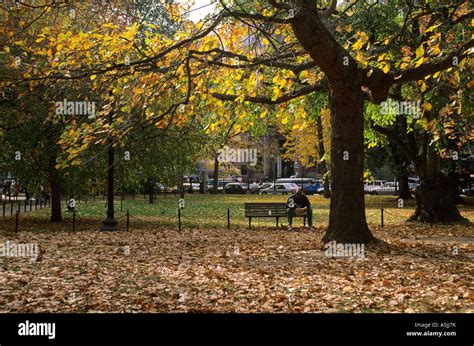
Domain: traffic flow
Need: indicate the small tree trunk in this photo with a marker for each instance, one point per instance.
(454, 183)
(54, 184)
(404, 188)
(215, 182)
(322, 152)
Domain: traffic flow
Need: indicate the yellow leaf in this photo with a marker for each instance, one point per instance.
(420, 52)
(423, 87)
(93, 77)
(427, 106)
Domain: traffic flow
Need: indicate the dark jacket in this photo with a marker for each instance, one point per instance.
(298, 202)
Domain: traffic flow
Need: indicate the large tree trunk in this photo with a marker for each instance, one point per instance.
(54, 184)
(434, 202)
(403, 187)
(347, 223)
(434, 196)
(215, 182)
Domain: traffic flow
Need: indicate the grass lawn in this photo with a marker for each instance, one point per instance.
(210, 211)
(156, 268)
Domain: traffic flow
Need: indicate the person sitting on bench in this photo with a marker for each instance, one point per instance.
(298, 205)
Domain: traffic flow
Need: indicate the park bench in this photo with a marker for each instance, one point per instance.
(275, 210)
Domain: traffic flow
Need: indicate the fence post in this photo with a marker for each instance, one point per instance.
(16, 220)
(3, 208)
(128, 220)
(179, 219)
(31, 205)
(74, 221)
(381, 215)
(228, 218)
(25, 206)
(431, 218)
(19, 205)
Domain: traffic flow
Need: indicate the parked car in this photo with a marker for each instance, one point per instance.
(413, 183)
(372, 187)
(263, 186)
(279, 188)
(301, 182)
(161, 188)
(195, 187)
(388, 188)
(235, 188)
(313, 189)
(467, 192)
(220, 184)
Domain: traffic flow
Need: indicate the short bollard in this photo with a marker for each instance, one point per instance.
(128, 220)
(381, 215)
(179, 219)
(16, 220)
(228, 218)
(73, 221)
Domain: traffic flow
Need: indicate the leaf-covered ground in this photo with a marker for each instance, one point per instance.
(415, 269)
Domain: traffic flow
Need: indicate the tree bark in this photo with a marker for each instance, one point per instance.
(453, 177)
(434, 202)
(215, 182)
(322, 154)
(434, 196)
(403, 187)
(54, 184)
(347, 223)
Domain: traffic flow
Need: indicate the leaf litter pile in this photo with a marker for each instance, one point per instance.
(414, 268)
